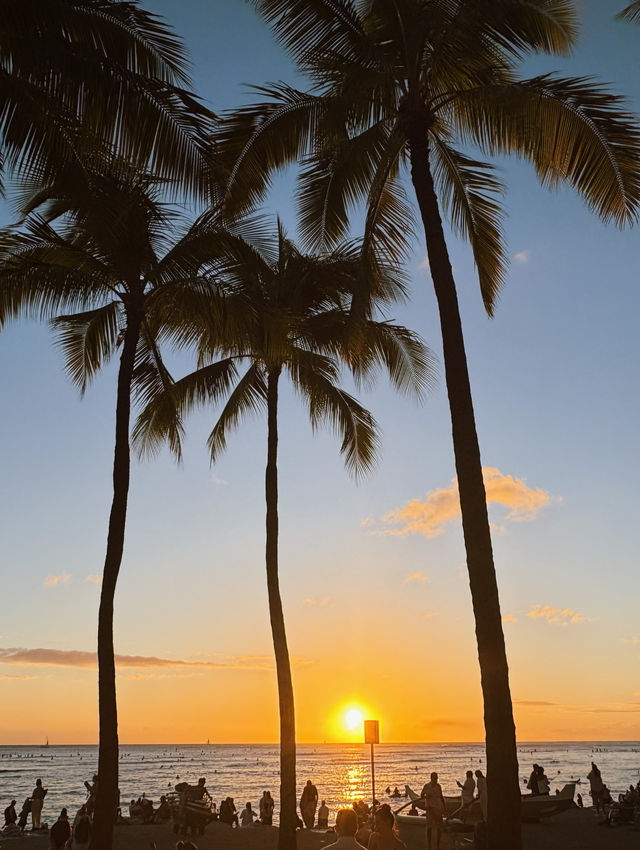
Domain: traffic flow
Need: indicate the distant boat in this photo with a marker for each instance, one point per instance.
(43, 746)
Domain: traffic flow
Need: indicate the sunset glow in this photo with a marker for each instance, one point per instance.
(353, 719)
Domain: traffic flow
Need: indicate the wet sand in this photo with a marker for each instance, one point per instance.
(577, 829)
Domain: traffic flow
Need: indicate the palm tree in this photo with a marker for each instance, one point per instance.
(102, 251)
(287, 315)
(96, 77)
(412, 84)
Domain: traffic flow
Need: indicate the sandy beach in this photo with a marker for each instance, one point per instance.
(577, 829)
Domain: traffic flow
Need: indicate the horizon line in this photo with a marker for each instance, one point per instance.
(320, 743)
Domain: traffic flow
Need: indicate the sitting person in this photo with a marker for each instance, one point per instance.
(346, 828)
(385, 837)
(163, 812)
(60, 833)
(247, 815)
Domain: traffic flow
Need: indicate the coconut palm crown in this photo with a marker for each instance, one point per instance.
(415, 85)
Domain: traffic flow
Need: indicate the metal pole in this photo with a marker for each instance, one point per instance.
(373, 782)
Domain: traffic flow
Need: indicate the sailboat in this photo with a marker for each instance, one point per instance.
(43, 746)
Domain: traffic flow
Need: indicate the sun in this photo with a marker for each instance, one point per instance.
(353, 719)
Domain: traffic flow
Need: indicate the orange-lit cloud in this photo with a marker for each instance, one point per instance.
(523, 256)
(607, 708)
(87, 660)
(94, 578)
(552, 614)
(312, 602)
(634, 640)
(52, 581)
(509, 618)
(428, 517)
(417, 578)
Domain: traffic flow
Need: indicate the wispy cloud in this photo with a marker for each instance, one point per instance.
(367, 522)
(94, 578)
(523, 256)
(430, 515)
(606, 708)
(52, 581)
(5, 676)
(509, 618)
(424, 263)
(536, 703)
(313, 602)
(219, 482)
(633, 640)
(552, 614)
(415, 578)
(77, 658)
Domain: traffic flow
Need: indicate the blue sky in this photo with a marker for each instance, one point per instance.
(554, 377)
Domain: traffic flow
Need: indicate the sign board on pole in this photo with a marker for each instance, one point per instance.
(371, 732)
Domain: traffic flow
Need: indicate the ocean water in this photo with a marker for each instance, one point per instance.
(341, 772)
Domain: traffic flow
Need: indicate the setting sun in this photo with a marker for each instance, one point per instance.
(353, 719)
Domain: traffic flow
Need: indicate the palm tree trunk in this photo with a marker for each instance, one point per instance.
(504, 814)
(107, 795)
(288, 818)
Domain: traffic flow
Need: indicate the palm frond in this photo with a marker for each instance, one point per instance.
(256, 140)
(570, 129)
(469, 190)
(161, 420)
(88, 341)
(630, 12)
(330, 405)
(248, 396)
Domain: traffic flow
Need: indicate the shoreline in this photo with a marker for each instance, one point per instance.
(576, 829)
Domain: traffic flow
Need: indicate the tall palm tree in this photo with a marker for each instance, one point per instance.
(80, 77)
(412, 84)
(289, 315)
(102, 251)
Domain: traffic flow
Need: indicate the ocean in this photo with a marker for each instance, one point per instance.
(341, 772)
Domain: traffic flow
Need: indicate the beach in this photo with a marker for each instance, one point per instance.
(577, 829)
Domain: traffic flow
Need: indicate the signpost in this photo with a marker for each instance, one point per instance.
(372, 736)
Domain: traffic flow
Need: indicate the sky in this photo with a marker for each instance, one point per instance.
(373, 574)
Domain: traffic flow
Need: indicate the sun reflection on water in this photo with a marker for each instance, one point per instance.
(356, 781)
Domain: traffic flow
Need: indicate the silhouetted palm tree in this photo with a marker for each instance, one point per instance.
(631, 12)
(102, 250)
(411, 84)
(287, 314)
(85, 78)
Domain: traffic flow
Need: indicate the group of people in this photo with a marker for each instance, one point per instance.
(538, 783)
(62, 834)
(354, 835)
(31, 806)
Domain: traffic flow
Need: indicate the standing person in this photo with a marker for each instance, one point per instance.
(346, 828)
(24, 814)
(466, 796)
(481, 784)
(596, 787)
(532, 784)
(384, 836)
(60, 832)
(37, 801)
(323, 816)
(308, 803)
(435, 810)
(266, 808)
(10, 816)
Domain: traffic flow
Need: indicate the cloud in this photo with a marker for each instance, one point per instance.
(537, 703)
(219, 482)
(5, 676)
(633, 640)
(52, 581)
(610, 708)
(366, 522)
(417, 578)
(94, 578)
(87, 660)
(552, 614)
(523, 256)
(312, 602)
(428, 517)
(424, 263)
(509, 618)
